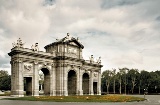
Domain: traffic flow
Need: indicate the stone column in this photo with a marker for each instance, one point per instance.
(91, 83)
(99, 83)
(59, 81)
(13, 78)
(80, 82)
(17, 78)
(80, 54)
(53, 81)
(65, 79)
(35, 79)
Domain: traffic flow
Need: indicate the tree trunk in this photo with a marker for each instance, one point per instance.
(120, 88)
(132, 89)
(133, 84)
(108, 89)
(114, 87)
(139, 90)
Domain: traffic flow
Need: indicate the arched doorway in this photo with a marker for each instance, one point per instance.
(85, 85)
(72, 82)
(46, 81)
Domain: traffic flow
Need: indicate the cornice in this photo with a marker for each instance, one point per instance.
(29, 52)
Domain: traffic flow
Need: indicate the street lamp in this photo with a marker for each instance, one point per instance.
(156, 89)
(144, 93)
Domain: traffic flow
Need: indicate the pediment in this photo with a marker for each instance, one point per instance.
(73, 43)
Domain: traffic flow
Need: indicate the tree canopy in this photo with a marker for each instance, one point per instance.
(5, 80)
(131, 81)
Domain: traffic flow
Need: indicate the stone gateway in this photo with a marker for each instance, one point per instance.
(64, 69)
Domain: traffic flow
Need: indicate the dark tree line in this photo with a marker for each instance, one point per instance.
(130, 81)
(5, 80)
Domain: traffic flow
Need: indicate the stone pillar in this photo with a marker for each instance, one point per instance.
(13, 78)
(65, 79)
(99, 83)
(80, 82)
(59, 79)
(35, 79)
(80, 54)
(91, 83)
(53, 81)
(17, 79)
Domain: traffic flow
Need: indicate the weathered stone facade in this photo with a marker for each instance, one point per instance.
(65, 71)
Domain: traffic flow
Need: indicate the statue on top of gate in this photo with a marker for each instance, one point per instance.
(19, 43)
(35, 47)
(99, 60)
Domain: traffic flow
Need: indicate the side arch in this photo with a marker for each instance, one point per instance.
(85, 83)
(72, 82)
(46, 83)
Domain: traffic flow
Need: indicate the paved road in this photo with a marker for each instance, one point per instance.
(151, 100)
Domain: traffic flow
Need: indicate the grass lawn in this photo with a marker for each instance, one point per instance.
(95, 98)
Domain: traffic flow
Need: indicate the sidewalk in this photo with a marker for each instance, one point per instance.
(1, 97)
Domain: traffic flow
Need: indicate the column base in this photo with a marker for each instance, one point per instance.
(36, 93)
(61, 93)
(80, 92)
(99, 93)
(91, 93)
(17, 93)
(53, 93)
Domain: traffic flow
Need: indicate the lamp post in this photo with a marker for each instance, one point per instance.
(144, 93)
(155, 89)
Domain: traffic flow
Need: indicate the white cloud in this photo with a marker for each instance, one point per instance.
(123, 33)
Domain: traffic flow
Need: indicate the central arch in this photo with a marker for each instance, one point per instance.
(72, 82)
(46, 83)
(85, 85)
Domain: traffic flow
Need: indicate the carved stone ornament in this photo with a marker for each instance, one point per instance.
(82, 67)
(95, 74)
(72, 66)
(53, 64)
(27, 67)
(35, 62)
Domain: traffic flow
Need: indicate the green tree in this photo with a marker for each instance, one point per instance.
(3, 73)
(145, 77)
(120, 75)
(133, 76)
(5, 80)
(114, 79)
(131, 80)
(107, 76)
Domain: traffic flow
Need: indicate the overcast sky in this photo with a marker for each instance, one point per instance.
(125, 33)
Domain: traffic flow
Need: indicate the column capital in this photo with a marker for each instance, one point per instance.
(18, 61)
(91, 71)
(35, 62)
(53, 64)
